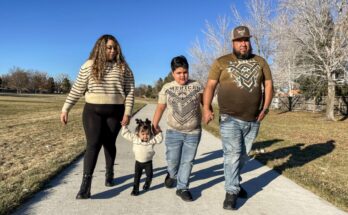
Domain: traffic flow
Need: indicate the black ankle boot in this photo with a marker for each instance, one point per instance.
(147, 185)
(109, 179)
(85, 189)
(135, 191)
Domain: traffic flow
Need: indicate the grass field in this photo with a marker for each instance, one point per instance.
(34, 146)
(306, 148)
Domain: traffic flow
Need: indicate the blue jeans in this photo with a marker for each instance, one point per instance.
(237, 137)
(181, 150)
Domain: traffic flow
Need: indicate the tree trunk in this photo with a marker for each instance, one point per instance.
(290, 103)
(330, 100)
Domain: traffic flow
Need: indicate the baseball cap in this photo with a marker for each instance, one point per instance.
(240, 32)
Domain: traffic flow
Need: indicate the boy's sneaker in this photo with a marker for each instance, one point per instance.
(169, 182)
(242, 193)
(230, 201)
(185, 195)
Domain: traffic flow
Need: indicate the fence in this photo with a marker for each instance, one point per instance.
(299, 103)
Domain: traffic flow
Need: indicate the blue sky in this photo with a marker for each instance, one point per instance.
(56, 36)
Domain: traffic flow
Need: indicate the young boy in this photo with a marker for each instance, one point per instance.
(183, 98)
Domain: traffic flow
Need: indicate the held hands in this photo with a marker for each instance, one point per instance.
(156, 129)
(125, 120)
(64, 118)
(208, 115)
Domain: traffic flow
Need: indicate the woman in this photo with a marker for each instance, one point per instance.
(108, 84)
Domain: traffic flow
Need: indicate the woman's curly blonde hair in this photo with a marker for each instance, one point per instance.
(98, 55)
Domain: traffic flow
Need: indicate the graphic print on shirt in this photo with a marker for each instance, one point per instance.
(184, 103)
(244, 73)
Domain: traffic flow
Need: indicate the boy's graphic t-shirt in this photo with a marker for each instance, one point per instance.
(183, 103)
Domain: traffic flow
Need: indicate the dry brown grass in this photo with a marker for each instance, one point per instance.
(34, 146)
(306, 148)
(146, 100)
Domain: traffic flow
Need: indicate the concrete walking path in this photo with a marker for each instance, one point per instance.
(269, 192)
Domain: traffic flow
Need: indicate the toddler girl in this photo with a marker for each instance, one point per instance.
(143, 147)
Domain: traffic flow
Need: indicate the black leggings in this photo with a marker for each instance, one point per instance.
(138, 170)
(101, 123)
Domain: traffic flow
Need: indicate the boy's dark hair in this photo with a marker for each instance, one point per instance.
(179, 61)
(143, 126)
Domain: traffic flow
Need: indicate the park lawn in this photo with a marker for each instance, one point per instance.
(34, 146)
(307, 148)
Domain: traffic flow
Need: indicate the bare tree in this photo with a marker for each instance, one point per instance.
(19, 79)
(217, 42)
(38, 81)
(140, 90)
(284, 58)
(5, 80)
(318, 30)
(59, 81)
(259, 22)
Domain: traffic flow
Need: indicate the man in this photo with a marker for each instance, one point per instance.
(242, 106)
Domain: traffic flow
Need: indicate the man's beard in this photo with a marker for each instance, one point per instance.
(244, 56)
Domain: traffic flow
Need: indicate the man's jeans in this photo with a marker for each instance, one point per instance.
(181, 150)
(237, 137)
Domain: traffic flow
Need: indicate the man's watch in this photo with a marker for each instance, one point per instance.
(266, 110)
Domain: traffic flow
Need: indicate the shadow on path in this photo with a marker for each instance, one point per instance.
(265, 144)
(117, 190)
(257, 184)
(215, 171)
(299, 155)
(208, 156)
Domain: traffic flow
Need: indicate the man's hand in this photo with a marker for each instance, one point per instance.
(262, 115)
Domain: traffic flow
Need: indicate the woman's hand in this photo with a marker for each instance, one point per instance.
(64, 118)
(125, 120)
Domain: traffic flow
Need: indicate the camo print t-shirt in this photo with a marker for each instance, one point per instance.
(240, 91)
(183, 103)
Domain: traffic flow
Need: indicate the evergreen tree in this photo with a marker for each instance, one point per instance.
(168, 78)
(66, 85)
(149, 92)
(51, 87)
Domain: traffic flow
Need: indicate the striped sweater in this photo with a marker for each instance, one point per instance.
(113, 89)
